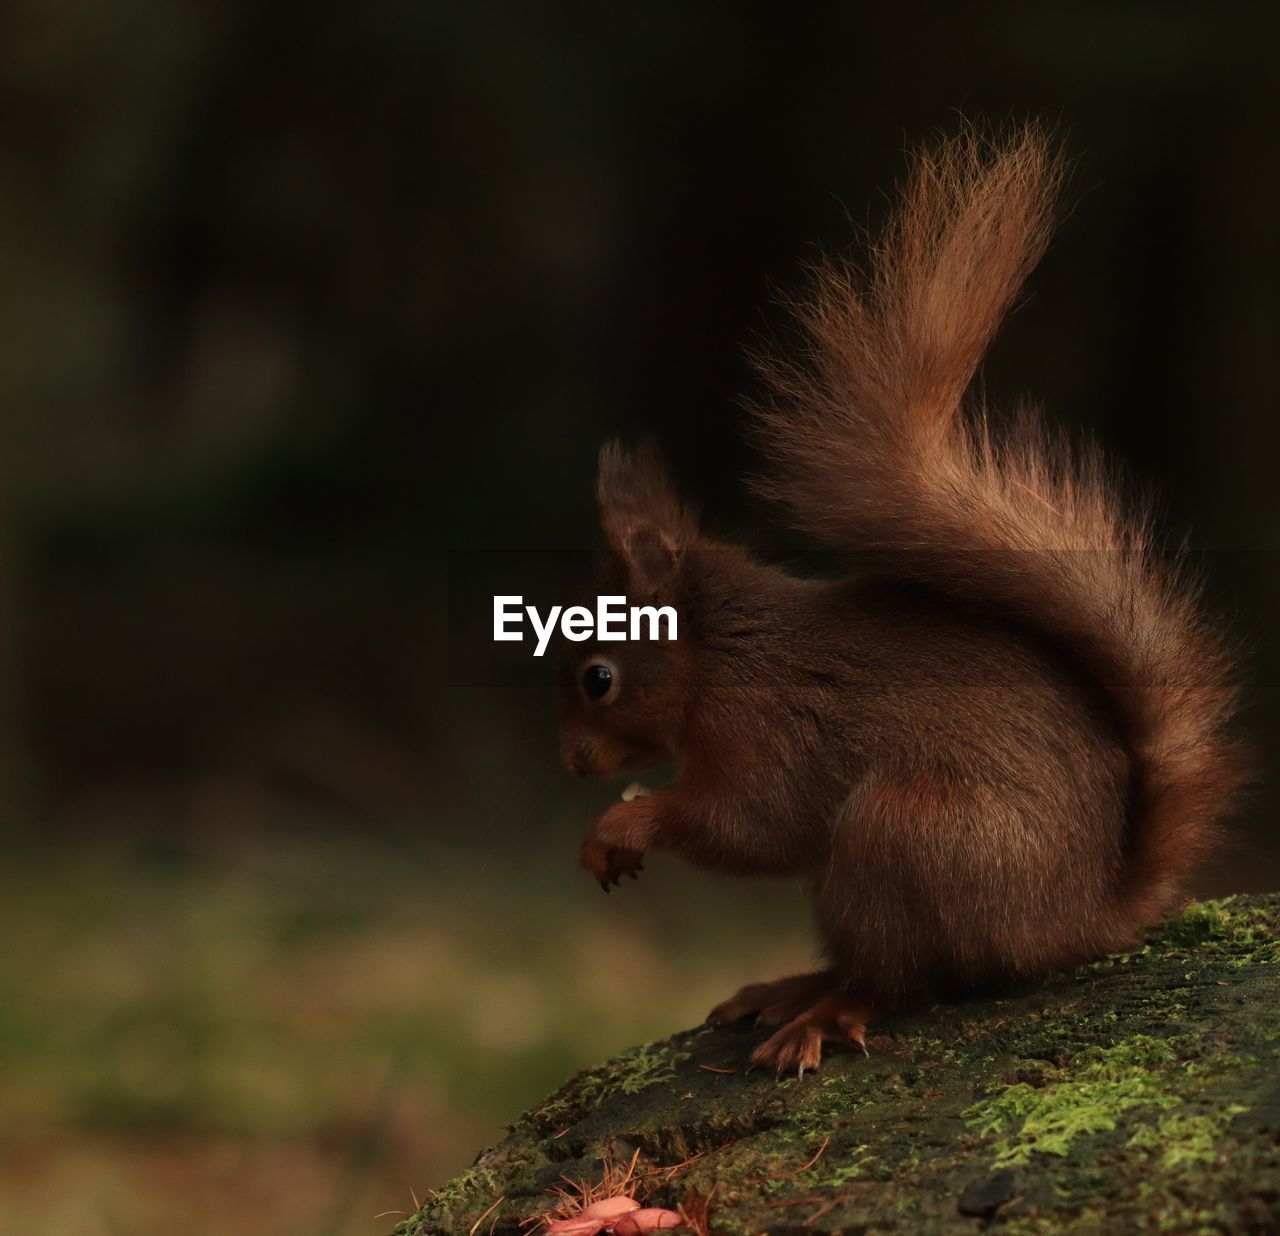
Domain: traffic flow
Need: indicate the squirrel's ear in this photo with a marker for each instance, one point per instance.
(645, 523)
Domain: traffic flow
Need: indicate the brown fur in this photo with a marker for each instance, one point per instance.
(996, 753)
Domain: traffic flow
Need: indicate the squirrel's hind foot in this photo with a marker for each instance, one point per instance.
(835, 1017)
(773, 1003)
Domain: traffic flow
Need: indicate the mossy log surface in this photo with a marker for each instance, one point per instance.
(1140, 1093)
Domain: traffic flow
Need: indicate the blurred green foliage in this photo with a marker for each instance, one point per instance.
(313, 1028)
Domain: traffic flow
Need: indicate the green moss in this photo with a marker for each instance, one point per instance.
(1089, 1096)
(854, 1165)
(1199, 923)
(1135, 1094)
(1234, 929)
(629, 1073)
(473, 1183)
(1181, 1138)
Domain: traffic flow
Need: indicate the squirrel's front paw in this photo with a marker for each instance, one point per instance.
(609, 863)
(615, 846)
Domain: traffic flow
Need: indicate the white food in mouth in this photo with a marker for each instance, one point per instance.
(635, 790)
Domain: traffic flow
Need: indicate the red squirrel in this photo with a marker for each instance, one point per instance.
(997, 745)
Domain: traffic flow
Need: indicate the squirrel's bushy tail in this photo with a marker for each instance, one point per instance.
(870, 452)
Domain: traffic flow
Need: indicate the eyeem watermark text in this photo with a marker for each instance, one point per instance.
(612, 620)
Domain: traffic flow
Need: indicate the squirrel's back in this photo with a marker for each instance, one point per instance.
(870, 452)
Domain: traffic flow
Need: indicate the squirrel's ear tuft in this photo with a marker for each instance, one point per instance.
(645, 524)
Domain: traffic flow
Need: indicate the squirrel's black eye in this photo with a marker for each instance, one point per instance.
(596, 681)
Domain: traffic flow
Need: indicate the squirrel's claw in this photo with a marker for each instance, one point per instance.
(610, 863)
(790, 1050)
(836, 1017)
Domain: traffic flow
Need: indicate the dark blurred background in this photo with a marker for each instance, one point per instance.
(300, 304)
